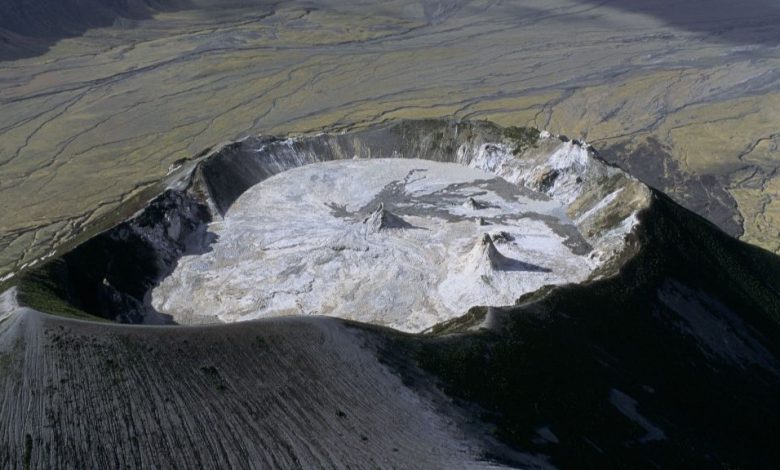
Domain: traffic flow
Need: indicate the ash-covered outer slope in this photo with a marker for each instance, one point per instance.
(290, 393)
(671, 361)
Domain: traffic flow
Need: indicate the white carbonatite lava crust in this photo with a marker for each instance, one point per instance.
(404, 243)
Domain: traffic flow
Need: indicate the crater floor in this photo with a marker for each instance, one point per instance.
(404, 243)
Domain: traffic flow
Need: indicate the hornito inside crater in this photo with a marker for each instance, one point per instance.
(404, 243)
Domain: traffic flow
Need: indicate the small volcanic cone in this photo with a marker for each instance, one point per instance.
(382, 219)
(473, 204)
(484, 257)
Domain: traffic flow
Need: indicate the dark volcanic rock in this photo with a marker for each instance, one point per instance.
(111, 275)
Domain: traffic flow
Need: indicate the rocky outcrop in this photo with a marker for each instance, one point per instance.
(111, 275)
(473, 204)
(501, 237)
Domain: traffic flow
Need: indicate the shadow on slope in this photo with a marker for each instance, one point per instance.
(746, 22)
(111, 275)
(29, 27)
(672, 363)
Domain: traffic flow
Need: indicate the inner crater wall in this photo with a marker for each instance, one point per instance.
(600, 201)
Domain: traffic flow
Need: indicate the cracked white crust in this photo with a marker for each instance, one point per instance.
(310, 241)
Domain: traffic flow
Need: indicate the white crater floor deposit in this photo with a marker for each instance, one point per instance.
(397, 242)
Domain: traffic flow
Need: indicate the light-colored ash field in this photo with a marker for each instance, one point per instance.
(405, 244)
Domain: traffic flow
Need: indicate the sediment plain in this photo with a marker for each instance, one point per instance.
(683, 95)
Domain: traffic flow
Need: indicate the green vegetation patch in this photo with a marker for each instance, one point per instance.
(522, 138)
(461, 324)
(41, 289)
